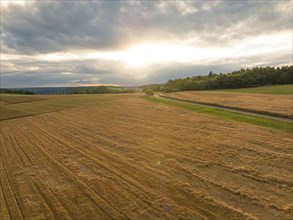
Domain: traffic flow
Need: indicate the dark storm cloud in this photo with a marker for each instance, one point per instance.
(54, 26)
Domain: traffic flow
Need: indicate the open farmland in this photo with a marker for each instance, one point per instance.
(280, 105)
(271, 89)
(124, 157)
(15, 106)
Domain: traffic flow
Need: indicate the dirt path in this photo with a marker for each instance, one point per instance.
(262, 115)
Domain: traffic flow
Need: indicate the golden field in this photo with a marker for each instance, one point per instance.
(123, 157)
(266, 103)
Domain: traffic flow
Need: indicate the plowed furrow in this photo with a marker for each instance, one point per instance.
(268, 163)
(236, 193)
(39, 185)
(59, 210)
(105, 165)
(133, 159)
(9, 194)
(110, 159)
(26, 185)
(4, 210)
(107, 154)
(106, 208)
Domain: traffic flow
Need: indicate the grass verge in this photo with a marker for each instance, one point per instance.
(271, 123)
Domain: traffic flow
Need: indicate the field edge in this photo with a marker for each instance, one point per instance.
(270, 123)
(233, 107)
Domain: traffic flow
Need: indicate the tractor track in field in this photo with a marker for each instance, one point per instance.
(143, 161)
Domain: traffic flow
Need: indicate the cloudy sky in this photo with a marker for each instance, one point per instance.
(76, 43)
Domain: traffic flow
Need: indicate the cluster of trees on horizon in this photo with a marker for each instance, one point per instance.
(17, 91)
(97, 90)
(243, 78)
(70, 90)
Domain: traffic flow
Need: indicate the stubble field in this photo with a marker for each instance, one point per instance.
(264, 103)
(123, 157)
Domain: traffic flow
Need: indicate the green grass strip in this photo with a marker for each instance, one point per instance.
(266, 122)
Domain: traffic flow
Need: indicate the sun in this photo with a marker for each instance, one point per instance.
(142, 55)
(16, 2)
(145, 54)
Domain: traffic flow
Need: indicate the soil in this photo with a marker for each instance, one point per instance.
(134, 159)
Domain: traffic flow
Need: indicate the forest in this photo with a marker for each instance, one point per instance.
(243, 78)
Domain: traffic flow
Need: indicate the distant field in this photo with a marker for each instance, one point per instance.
(250, 119)
(123, 157)
(13, 99)
(265, 103)
(274, 90)
(13, 106)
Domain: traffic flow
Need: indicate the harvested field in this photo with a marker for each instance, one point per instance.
(15, 106)
(12, 99)
(272, 104)
(272, 89)
(127, 158)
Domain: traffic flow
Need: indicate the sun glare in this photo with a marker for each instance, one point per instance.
(9, 2)
(142, 55)
(148, 53)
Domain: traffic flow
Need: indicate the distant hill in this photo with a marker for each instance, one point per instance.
(78, 90)
(46, 90)
(17, 91)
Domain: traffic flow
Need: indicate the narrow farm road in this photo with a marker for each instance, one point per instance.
(228, 109)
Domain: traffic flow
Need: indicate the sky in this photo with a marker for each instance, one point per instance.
(131, 43)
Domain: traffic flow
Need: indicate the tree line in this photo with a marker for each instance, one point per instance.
(243, 78)
(97, 90)
(17, 91)
(72, 90)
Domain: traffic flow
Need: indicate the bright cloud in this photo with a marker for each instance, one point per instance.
(62, 42)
